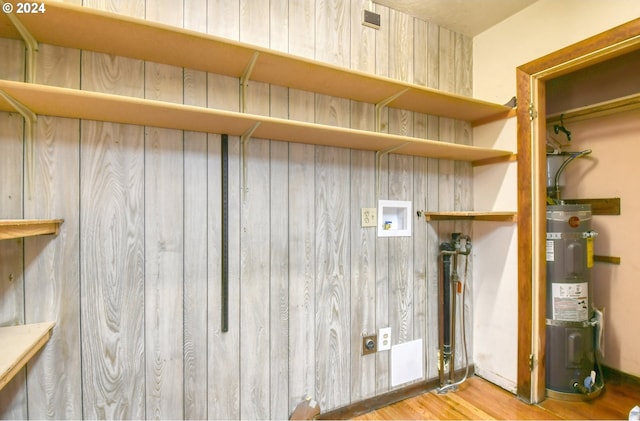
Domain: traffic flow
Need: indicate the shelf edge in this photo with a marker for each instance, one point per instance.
(36, 334)
(471, 216)
(19, 228)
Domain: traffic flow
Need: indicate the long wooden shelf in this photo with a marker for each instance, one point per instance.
(17, 228)
(18, 344)
(72, 103)
(471, 215)
(601, 109)
(90, 29)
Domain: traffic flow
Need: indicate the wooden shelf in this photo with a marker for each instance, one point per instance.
(602, 109)
(72, 103)
(80, 27)
(16, 228)
(18, 344)
(471, 215)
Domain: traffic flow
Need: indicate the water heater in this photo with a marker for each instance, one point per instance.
(571, 371)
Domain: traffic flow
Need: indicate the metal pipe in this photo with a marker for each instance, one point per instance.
(452, 327)
(448, 286)
(561, 169)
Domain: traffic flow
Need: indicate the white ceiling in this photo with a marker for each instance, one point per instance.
(469, 17)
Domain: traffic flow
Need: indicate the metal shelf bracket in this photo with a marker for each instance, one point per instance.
(380, 105)
(244, 81)
(30, 119)
(30, 43)
(379, 155)
(243, 142)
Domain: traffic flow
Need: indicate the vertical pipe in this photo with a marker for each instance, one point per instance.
(447, 250)
(441, 305)
(446, 288)
(453, 279)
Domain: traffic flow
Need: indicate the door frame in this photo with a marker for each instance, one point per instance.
(531, 123)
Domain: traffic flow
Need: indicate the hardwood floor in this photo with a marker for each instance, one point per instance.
(478, 399)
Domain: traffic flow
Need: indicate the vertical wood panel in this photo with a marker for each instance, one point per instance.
(164, 270)
(254, 277)
(52, 288)
(363, 275)
(362, 39)
(383, 373)
(196, 252)
(279, 227)
(433, 200)
(302, 28)
(421, 257)
(332, 46)
(463, 192)
(400, 46)
(332, 31)
(302, 216)
(302, 267)
(112, 242)
(401, 254)
(332, 277)
(279, 26)
(223, 351)
(164, 247)
(382, 41)
(112, 269)
(195, 272)
(255, 391)
(13, 65)
(383, 287)
(279, 275)
(164, 239)
(13, 399)
(401, 56)
(223, 19)
(446, 82)
(363, 240)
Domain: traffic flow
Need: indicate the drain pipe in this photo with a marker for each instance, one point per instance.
(450, 286)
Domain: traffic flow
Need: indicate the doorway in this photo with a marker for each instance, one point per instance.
(531, 79)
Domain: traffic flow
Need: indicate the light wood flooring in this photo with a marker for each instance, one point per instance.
(478, 399)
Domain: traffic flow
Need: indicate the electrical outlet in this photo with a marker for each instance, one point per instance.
(384, 339)
(369, 217)
(369, 344)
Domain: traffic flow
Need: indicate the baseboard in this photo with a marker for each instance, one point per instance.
(371, 404)
(614, 375)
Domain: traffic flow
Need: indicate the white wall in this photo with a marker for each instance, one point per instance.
(542, 28)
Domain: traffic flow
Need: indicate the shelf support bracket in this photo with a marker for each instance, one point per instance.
(30, 43)
(30, 119)
(244, 139)
(379, 155)
(244, 81)
(380, 105)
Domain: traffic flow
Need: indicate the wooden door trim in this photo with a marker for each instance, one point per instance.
(530, 80)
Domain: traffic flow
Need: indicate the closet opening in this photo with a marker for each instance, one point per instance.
(545, 91)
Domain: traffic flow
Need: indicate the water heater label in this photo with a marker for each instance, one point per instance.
(570, 301)
(550, 251)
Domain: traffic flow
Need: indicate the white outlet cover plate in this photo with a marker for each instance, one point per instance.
(369, 217)
(384, 339)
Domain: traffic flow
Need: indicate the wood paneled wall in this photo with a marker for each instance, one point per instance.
(133, 278)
